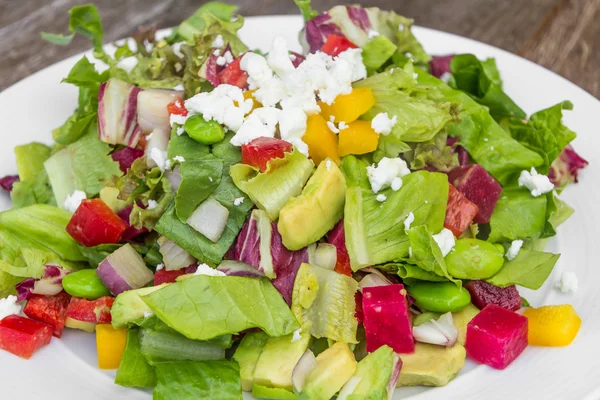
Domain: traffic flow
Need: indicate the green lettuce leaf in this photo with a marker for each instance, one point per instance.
(434, 153)
(84, 20)
(196, 23)
(481, 80)
(375, 231)
(426, 254)
(33, 187)
(160, 190)
(306, 9)
(529, 269)
(203, 307)
(134, 370)
(7, 284)
(377, 52)
(178, 380)
(83, 165)
(30, 262)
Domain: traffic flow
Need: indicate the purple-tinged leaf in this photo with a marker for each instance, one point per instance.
(440, 65)
(318, 30)
(566, 167)
(8, 181)
(126, 156)
(359, 17)
(24, 289)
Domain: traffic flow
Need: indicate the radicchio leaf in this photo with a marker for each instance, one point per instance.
(126, 156)
(566, 167)
(440, 65)
(8, 181)
(318, 30)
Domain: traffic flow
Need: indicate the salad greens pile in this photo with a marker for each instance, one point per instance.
(258, 231)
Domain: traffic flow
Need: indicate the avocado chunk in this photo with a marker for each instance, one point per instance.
(461, 319)
(110, 196)
(278, 359)
(335, 366)
(374, 374)
(431, 365)
(263, 392)
(129, 306)
(308, 217)
(247, 355)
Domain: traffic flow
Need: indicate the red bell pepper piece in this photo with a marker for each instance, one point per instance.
(164, 276)
(337, 44)
(96, 311)
(177, 107)
(23, 336)
(94, 223)
(259, 151)
(234, 75)
(51, 310)
(460, 212)
(337, 238)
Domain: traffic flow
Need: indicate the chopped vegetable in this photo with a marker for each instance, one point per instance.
(158, 346)
(117, 113)
(322, 142)
(22, 336)
(460, 212)
(95, 223)
(210, 219)
(552, 325)
(258, 152)
(126, 156)
(152, 108)
(51, 310)
(358, 138)
(348, 107)
(174, 257)
(483, 293)
(334, 45)
(110, 344)
(86, 314)
(124, 270)
(479, 187)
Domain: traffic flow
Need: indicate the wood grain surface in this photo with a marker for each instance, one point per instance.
(562, 35)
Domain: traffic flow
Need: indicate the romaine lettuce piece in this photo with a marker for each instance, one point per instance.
(529, 269)
(33, 186)
(377, 52)
(426, 254)
(323, 303)
(134, 370)
(84, 20)
(271, 190)
(203, 307)
(179, 380)
(411, 273)
(196, 23)
(163, 346)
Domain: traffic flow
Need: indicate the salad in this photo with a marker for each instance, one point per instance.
(331, 223)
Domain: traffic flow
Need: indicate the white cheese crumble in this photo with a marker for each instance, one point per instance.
(297, 335)
(179, 88)
(538, 184)
(152, 204)
(148, 314)
(567, 283)
(383, 124)
(372, 33)
(261, 123)
(221, 61)
(128, 64)
(204, 269)
(381, 197)
(238, 201)
(160, 158)
(160, 266)
(446, 77)
(177, 119)
(382, 175)
(270, 92)
(415, 75)
(445, 240)
(225, 104)
(332, 127)
(218, 42)
(177, 49)
(328, 165)
(401, 27)
(257, 68)
(410, 218)
(73, 200)
(180, 131)
(279, 59)
(292, 126)
(396, 184)
(514, 249)
(180, 159)
(9, 306)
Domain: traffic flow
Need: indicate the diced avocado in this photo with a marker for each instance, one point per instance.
(308, 217)
(81, 325)
(278, 359)
(263, 392)
(431, 365)
(461, 319)
(110, 196)
(129, 306)
(247, 355)
(335, 366)
(373, 373)
(377, 51)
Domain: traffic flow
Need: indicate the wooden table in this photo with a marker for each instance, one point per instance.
(562, 35)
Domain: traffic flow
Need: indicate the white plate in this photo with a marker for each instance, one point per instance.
(66, 369)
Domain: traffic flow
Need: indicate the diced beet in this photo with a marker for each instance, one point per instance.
(23, 336)
(7, 182)
(96, 311)
(163, 276)
(51, 310)
(496, 336)
(440, 65)
(131, 232)
(460, 212)
(387, 319)
(483, 293)
(479, 187)
(358, 311)
(94, 223)
(259, 151)
(337, 237)
(126, 156)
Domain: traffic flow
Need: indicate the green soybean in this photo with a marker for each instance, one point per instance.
(203, 131)
(474, 259)
(85, 284)
(439, 297)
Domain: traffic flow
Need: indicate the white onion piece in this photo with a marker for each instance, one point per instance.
(394, 376)
(312, 249)
(377, 272)
(174, 257)
(349, 388)
(158, 139)
(372, 280)
(210, 219)
(441, 332)
(152, 108)
(117, 113)
(174, 177)
(123, 270)
(302, 370)
(326, 256)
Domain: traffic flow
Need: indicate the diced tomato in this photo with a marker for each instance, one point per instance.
(164, 276)
(337, 44)
(23, 336)
(51, 310)
(94, 223)
(96, 311)
(177, 108)
(342, 266)
(234, 75)
(259, 151)
(460, 212)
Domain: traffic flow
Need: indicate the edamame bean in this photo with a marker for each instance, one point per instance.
(474, 259)
(439, 297)
(85, 284)
(202, 131)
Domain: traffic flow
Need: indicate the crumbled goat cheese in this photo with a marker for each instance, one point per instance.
(296, 335)
(332, 127)
(396, 184)
(179, 159)
(177, 119)
(257, 68)
(514, 249)
(160, 266)
(177, 49)
(292, 124)
(128, 64)
(9, 306)
(382, 175)
(381, 198)
(293, 57)
(279, 59)
(221, 61)
(410, 218)
(152, 204)
(383, 124)
(567, 283)
(401, 27)
(271, 92)
(372, 33)
(225, 104)
(180, 131)
(261, 123)
(73, 200)
(342, 125)
(204, 269)
(445, 240)
(538, 184)
(218, 42)
(179, 88)
(238, 201)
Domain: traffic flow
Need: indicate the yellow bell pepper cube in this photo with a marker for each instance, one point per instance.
(249, 94)
(110, 344)
(552, 325)
(348, 107)
(322, 142)
(357, 138)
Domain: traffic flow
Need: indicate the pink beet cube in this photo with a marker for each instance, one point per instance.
(386, 318)
(479, 187)
(483, 293)
(496, 336)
